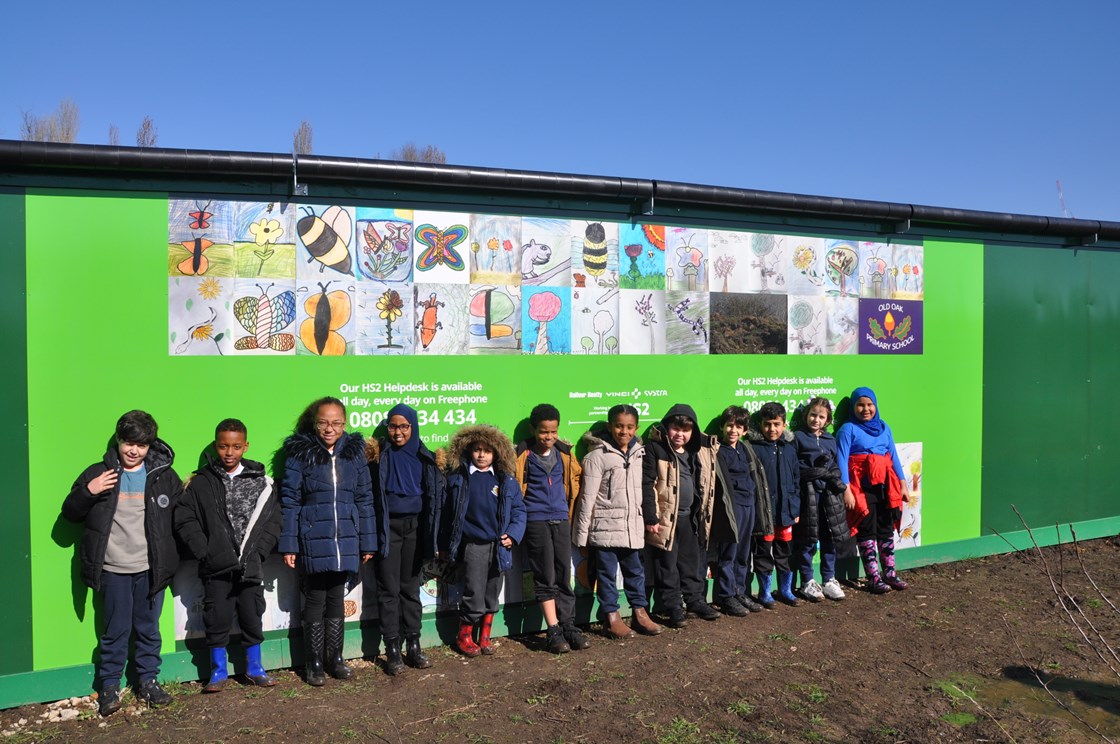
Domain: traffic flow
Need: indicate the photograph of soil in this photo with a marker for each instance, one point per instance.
(960, 656)
(748, 323)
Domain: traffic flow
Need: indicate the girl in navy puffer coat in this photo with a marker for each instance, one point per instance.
(326, 500)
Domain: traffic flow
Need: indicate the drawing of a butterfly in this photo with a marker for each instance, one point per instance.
(441, 247)
(398, 233)
(327, 313)
(196, 263)
(264, 317)
(201, 217)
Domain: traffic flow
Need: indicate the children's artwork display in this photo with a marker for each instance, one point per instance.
(909, 533)
(274, 279)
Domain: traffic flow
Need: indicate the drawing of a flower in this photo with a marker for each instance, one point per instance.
(266, 231)
(390, 305)
(803, 257)
(209, 289)
(202, 332)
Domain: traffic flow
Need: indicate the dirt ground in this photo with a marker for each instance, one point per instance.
(937, 662)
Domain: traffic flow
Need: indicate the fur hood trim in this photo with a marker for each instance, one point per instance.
(374, 447)
(309, 449)
(755, 436)
(504, 459)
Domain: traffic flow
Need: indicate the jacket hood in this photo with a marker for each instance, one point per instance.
(660, 432)
(309, 449)
(252, 468)
(601, 438)
(755, 436)
(159, 454)
(505, 461)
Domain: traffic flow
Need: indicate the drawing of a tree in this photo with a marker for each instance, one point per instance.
(543, 307)
(724, 266)
(602, 323)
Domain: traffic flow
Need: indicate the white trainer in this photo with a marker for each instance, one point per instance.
(812, 591)
(832, 590)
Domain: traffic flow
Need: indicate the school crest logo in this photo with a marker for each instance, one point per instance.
(890, 326)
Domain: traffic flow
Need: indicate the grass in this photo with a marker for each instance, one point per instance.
(290, 693)
(538, 699)
(741, 708)
(680, 731)
(959, 718)
(783, 637)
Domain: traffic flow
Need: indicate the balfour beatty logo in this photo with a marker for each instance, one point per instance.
(890, 327)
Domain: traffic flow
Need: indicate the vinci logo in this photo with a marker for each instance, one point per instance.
(890, 326)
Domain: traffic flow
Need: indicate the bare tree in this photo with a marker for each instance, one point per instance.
(147, 134)
(59, 126)
(411, 153)
(301, 139)
(114, 135)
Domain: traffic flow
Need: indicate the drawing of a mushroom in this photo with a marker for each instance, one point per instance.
(543, 307)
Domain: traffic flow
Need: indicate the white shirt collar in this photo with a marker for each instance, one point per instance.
(472, 470)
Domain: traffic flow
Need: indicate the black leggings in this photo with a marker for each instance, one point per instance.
(322, 596)
(879, 523)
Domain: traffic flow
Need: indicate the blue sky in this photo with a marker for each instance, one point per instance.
(981, 105)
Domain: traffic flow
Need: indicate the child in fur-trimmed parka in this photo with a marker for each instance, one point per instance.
(609, 519)
(229, 519)
(774, 445)
(326, 503)
(482, 518)
(408, 485)
(679, 474)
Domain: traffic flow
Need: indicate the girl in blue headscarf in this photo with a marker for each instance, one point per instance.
(870, 467)
(408, 485)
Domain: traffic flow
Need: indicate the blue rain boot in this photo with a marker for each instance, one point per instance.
(218, 671)
(764, 597)
(255, 670)
(785, 589)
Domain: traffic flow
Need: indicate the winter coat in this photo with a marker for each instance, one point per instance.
(572, 469)
(608, 513)
(162, 491)
(661, 486)
(785, 503)
(763, 519)
(510, 505)
(202, 523)
(434, 483)
(326, 503)
(822, 489)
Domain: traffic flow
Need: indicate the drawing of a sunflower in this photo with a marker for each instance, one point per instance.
(210, 289)
(803, 257)
(390, 305)
(266, 231)
(202, 332)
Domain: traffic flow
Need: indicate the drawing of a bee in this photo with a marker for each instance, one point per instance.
(595, 249)
(429, 319)
(196, 264)
(441, 247)
(327, 238)
(327, 312)
(264, 317)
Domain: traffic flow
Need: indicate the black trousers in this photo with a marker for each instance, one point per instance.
(323, 595)
(677, 571)
(879, 523)
(222, 596)
(398, 579)
(548, 545)
(769, 556)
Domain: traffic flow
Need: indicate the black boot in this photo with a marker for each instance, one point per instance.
(414, 655)
(394, 664)
(313, 652)
(335, 666)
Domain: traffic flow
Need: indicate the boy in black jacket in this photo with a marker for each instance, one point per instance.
(229, 519)
(128, 554)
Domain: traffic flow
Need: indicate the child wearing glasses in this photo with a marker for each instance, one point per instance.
(328, 528)
(408, 483)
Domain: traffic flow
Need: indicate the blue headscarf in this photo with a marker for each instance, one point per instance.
(875, 426)
(403, 470)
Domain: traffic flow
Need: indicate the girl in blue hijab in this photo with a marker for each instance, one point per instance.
(408, 484)
(870, 467)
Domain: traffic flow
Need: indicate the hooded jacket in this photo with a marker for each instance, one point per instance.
(162, 491)
(661, 485)
(763, 519)
(822, 490)
(608, 513)
(326, 503)
(432, 482)
(782, 481)
(510, 506)
(202, 523)
(572, 469)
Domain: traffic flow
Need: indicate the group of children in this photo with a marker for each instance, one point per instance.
(750, 500)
